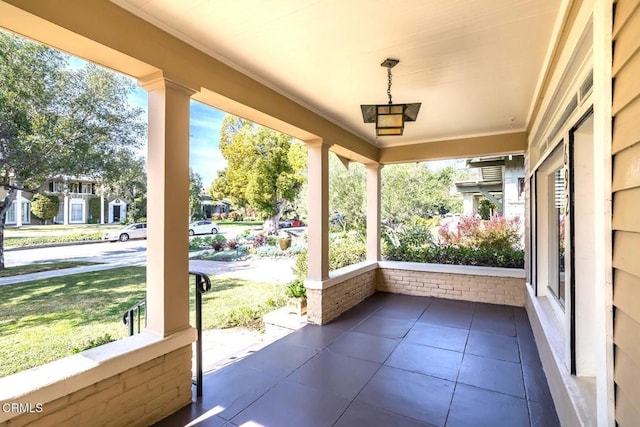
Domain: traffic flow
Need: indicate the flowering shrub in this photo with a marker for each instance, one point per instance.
(491, 243)
(259, 240)
(224, 215)
(217, 242)
(232, 243)
(497, 232)
(215, 217)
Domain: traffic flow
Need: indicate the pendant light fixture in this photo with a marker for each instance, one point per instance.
(390, 118)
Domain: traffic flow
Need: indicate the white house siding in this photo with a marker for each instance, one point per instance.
(626, 200)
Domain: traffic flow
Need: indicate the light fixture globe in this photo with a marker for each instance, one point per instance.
(390, 118)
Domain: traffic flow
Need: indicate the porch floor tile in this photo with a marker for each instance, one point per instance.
(393, 360)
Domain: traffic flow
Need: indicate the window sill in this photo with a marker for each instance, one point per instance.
(574, 397)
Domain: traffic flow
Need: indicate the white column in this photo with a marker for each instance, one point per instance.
(19, 208)
(318, 207)
(373, 211)
(101, 204)
(168, 206)
(65, 210)
(603, 280)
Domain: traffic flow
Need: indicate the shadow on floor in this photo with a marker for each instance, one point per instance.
(393, 360)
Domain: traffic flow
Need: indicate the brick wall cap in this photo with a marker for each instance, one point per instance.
(341, 275)
(453, 269)
(62, 377)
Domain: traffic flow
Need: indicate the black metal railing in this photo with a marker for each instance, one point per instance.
(135, 312)
(133, 316)
(203, 284)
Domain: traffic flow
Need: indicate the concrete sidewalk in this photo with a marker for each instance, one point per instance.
(22, 278)
(263, 270)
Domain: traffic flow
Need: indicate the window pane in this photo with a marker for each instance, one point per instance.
(76, 212)
(557, 233)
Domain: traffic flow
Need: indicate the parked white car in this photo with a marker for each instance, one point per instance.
(133, 231)
(203, 227)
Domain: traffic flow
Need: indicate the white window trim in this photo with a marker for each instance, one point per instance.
(82, 203)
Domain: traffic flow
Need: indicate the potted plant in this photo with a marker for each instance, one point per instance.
(297, 297)
(284, 241)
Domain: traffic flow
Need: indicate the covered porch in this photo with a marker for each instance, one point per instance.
(556, 74)
(392, 360)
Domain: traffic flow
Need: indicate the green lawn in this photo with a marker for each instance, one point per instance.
(37, 268)
(43, 321)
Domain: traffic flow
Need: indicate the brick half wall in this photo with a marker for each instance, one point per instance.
(324, 305)
(453, 282)
(139, 396)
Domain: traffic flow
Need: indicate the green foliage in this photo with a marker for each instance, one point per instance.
(44, 240)
(344, 249)
(410, 190)
(251, 316)
(263, 170)
(272, 240)
(56, 120)
(94, 207)
(42, 321)
(268, 251)
(296, 289)
(92, 343)
(45, 206)
(137, 210)
(196, 243)
(195, 195)
(347, 194)
(494, 243)
(408, 240)
(486, 208)
(217, 242)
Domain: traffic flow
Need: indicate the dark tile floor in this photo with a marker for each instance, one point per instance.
(393, 360)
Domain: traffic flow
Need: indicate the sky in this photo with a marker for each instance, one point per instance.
(204, 132)
(205, 157)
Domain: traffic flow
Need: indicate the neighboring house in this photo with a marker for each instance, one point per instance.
(501, 180)
(74, 196)
(210, 206)
(19, 214)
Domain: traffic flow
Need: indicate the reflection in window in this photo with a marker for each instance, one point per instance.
(557, 233)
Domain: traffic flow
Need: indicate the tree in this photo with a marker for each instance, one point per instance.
(195, 195)
(425, 193)
(265, 168)
(347, 194)
(57, 121)
(44, 207)
(129, 181)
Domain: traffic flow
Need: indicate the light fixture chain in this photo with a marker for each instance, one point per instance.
(389, 84)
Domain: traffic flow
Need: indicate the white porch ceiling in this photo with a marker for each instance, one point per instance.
(473, 64)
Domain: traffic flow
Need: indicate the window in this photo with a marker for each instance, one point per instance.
(58, 187)
(77, 212)
(557, 234)
(86, 188)
(11, 214)
(26, 213)
(549, 234)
